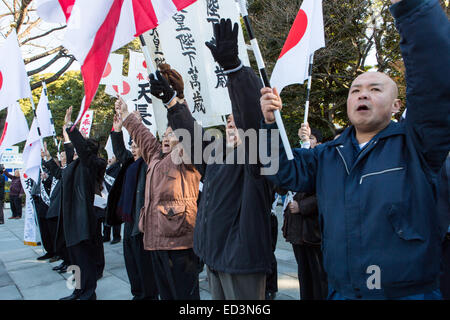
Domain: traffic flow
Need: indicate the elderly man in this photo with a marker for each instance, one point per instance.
(376, 183)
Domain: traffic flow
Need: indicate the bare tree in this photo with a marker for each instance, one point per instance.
(21, 16)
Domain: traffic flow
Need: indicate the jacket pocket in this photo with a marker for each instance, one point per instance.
(402, 227)
(172, 220)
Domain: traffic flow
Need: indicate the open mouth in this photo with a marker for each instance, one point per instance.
(362, 107)
(166, 145)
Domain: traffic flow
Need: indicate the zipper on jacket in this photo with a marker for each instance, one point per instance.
(379, 172)
(345, 163)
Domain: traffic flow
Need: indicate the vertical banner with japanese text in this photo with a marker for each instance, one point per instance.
(86, 123)
(31, 232)
(180, 42)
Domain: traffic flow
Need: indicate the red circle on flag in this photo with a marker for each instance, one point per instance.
(116, 88)
(1, 80)
(108, 70)
(144, 64)
(126, 88)
(297, 32)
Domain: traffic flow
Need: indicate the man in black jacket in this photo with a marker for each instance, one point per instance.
(112, 171)
(138, 261)
(232, 231)
(82, 179)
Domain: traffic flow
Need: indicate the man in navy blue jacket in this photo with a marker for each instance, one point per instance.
(376, 183)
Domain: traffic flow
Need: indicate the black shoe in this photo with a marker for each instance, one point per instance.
(99, 276)
(57, 268)
(46, 256)
(54, 259)
(106, 239)
(63, 269)
(114, 241)
(73, 296)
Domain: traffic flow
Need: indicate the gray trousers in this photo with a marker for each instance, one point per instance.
(226, 286)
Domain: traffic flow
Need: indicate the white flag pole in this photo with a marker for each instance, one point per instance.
(44, 91)
(264, 77)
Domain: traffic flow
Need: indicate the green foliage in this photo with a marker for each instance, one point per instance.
(350, 35)
(68, 91)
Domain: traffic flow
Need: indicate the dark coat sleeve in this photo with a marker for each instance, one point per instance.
(54, 169)
(179, 117)
(425, 44)
(122, 154)
(9, 175)
(70, 152)
(308, 206)
(244, 88)
(87, 158)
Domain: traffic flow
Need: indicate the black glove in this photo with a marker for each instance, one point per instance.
(225, 47)
(160, 88)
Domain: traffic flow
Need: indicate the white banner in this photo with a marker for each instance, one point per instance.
(86, 123)
(180, 42)
(112, 75)
(31, 236)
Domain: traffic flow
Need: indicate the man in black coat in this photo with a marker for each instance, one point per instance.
(82, 179)
(232, 231)
(112, 171)
(54, 212)
(138, 261)
(2, 194)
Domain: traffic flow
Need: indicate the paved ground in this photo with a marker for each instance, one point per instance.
(22, 277)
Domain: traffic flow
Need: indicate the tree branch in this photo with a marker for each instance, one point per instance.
(42, 55)
(42, 35)
(55, 76)
(61, 54)
(28, 29)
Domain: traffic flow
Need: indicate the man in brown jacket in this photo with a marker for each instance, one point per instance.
(170, 209)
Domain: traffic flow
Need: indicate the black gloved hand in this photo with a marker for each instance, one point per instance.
(225, 47)
(160, 88)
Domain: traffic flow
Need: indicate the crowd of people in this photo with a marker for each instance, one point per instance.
(367, 213)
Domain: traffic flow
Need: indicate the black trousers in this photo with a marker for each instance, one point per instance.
(16, 205)
(176, 273)
(139, 266)
(47, 236)
(84, 255)
(311, 274)
(445, 269)
(107, 231)
(99, 249)
(272, 278)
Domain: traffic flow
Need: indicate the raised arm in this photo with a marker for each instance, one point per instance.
(425, 46)
(122, 154)
(146, 141)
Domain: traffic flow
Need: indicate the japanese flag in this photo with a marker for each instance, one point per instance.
(14, 83)
(305, 37)
(15, 129)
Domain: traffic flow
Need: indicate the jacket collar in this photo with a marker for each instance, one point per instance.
(394, 128)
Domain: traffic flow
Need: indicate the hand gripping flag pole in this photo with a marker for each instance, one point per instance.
(308, 90)
(44, 91)
(264, 77)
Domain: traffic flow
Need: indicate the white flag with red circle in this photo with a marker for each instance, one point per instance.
(305, 37)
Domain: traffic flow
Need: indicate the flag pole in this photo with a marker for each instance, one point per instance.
(44, 91)
(308, 90)
(147, 56)
(264, 77)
